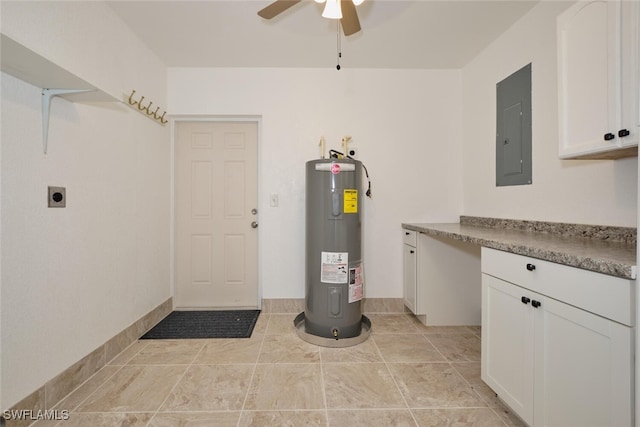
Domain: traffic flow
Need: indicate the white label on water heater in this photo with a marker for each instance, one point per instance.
(335, 267)
(331, 167)
(356, 283)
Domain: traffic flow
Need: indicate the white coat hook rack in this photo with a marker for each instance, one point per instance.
(47, 94)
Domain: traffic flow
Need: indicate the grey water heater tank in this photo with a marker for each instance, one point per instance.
(334, 278)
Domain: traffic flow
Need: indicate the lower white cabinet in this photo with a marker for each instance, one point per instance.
(410, 270)
(553, 363)
(441, 279)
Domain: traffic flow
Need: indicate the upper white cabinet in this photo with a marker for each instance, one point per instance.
(598, 80)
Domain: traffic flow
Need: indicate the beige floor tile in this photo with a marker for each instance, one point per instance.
(392, 324)
(72, 401)
(366, 352)
(371, 417)
(261, 324)
(283, 418)
(195, 419)
(73, 377)
(231, 350)
(407, 348)
(280, 324)
(445, 330)
(457, 347)
(210, 388)
(509, 417)
(476, 330)
(128, 353)
(134, 388)
(470, 371)
(459, 417)
(107, 420)
(168, 352)
(288, 348)
(360, 385)
(428, 385)
(39, 423)
(405, 374)
(286, 386)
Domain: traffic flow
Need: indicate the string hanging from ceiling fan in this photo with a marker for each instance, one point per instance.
(338, 43)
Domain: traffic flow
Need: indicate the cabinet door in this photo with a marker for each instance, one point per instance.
(583, 368)
(409, 276)
(597, 84)
(507, 344)
(629, 84)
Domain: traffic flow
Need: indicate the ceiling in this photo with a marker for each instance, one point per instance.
(395, 34)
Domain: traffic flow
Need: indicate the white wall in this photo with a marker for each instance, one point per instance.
(405, 123)
(72, 278)
(577, 191)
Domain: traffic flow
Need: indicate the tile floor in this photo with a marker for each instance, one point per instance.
(405, 374)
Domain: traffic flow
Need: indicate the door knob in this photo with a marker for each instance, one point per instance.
(254, 224)
(254, 211)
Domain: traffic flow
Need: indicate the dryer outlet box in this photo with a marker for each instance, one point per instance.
(57, 197)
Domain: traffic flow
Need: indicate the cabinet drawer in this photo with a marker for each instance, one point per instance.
(607, 296)
(409, 237)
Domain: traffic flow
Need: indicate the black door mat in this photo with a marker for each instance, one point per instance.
(205, 324)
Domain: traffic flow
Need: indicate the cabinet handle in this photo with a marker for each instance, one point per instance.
(623, 132)
(412, 252)
(525, 300)
(531, 267)
(536, 304)
(609, 136)
(406, 233)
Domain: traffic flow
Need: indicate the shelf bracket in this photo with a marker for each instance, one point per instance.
(47, 94)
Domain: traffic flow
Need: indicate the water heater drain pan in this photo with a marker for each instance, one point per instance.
(298, 322)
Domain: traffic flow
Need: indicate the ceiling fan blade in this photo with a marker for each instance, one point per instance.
(276, 8)
(350, 22)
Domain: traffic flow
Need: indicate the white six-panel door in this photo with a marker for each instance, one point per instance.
(216, 215)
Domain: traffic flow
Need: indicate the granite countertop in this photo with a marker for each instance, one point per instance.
(608, 250)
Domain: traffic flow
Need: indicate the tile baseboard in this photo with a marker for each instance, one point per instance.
(296, 305)
(55, 390)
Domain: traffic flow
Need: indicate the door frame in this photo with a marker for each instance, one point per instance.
(174, 120)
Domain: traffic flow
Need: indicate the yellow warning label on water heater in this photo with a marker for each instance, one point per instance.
(350, 201)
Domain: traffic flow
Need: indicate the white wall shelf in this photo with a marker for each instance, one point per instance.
(27, 65)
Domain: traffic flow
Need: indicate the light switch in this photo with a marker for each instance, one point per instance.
(273, 200)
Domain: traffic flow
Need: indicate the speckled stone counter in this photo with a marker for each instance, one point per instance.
(608, 250)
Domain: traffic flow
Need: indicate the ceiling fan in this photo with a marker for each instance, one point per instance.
(345, 10)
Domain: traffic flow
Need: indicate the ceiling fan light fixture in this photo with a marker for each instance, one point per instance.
(356, 2)
(332, 10)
